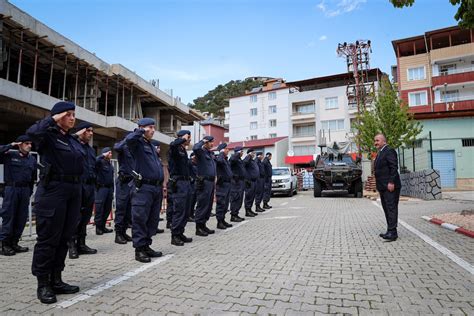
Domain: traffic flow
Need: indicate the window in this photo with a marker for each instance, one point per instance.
(417, 98)
(450, 96)
(253, 98)
(331, 103)
(304, 150)
(272, 109)
(333, 125)
(272, 95)
(253, 137)
(253, 112)
(272, 135)
(253, 125)
(447, 69)
(304, 108)
(273, 123)
(417, 73)
(304, 130)
(467, 142)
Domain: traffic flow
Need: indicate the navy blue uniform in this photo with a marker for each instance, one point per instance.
(19, 176)
(260, 185)
(123, 215)
(253, 173)
(146, 200)
(224, 178)
(237, 184)
(267, 193)
(193, 174)
(180, 195)
(206, 172)
(105, 191)
(57, 201)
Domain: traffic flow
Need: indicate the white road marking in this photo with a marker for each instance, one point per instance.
(234, 226)
(102, 287)
(284, 203)
(293, 199)
(296, 207)
(445, 251)
(277, 217)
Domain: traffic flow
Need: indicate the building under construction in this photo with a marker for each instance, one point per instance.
(39, 67)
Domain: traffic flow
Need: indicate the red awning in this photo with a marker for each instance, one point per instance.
(298, 159)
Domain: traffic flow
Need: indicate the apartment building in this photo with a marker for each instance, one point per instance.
(435, 73)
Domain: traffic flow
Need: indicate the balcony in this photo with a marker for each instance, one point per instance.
(303, 116)
(303, 137)
(452, 75)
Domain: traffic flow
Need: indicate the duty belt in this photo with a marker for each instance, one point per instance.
(238, 178)
(125, 177)
(179, 178)
(208, 178)
(89, 181)
(100, 185)
(18, 184)
(65, 178)
(152, 182)
(223, 179)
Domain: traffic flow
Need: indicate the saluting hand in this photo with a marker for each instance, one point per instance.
(59, 116)
(81, 131)
(15, 144)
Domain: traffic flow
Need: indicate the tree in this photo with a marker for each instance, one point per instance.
(464, 15)
(217, 99)
(389, 116)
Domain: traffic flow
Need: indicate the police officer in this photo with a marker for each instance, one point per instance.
(267, 193)
(19, 175)
(78, 245)
(147, 191)
(260, 184)
(57, 200)
(105, 191)
(179, 186)
(123, 215)
(250, 182)
(237, 184)
(206, 175)
(193, 174)
(158, 150)
(224, 177)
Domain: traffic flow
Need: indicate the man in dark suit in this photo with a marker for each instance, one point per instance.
(388, 184)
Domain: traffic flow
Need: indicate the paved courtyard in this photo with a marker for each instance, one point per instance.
(305, 256)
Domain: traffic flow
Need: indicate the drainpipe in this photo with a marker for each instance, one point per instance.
(431, 73)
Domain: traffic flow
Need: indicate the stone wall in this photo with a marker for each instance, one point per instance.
(424, 184)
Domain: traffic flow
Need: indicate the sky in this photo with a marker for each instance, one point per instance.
(194, 45)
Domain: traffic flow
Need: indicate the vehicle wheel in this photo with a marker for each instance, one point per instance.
(358, 189)
(290, 193)
(317, 189)
(296, 192)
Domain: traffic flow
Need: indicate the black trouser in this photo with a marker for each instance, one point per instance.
(87, 204)
(390, 207)
(123, 206)
(103, 205)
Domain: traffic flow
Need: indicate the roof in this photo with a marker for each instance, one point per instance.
(337, 77)
(262, 91)
(265, 142)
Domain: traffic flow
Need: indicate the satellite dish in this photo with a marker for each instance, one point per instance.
(290, 153)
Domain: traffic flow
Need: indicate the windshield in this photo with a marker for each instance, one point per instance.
(280, 172)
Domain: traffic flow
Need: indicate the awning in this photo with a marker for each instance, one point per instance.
(298, 159)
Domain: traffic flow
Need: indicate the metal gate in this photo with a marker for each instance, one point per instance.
(444, 161)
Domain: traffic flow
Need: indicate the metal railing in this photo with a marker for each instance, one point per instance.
(455, 71)
(456, 98)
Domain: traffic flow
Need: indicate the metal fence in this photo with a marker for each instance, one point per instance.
(418, 155)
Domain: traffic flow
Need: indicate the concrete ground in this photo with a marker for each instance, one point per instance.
(459, 195)
(306, 256)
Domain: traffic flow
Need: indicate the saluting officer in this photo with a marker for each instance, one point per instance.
(179, 187)
(19, 175)
(267, 193)
(224, 177)
(206, 175)
(250, 182)
(123, 215)
(105, 191)
(147, 191)
(193, 174)
(237, 184)
(260, 184)
(57, 199)
(77, 246)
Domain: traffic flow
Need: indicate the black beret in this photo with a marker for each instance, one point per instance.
(83, 125)
(238, 148)
(22, 139)
(183, 132)
(61, 107)
(146, 121)
(209, 138)
(221, 146)
(268, 154)
(106, 150)
(250, 150)
(259, 153)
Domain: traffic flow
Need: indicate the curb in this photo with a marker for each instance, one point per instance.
(449, 226)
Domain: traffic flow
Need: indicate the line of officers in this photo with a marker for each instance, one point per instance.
(73, 180)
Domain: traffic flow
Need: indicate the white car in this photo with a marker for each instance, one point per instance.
(284, 181)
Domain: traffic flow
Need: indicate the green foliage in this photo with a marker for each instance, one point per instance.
(389, 116)
(217, 99)
(464, 15)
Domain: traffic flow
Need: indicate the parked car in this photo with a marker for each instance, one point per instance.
(284, 181)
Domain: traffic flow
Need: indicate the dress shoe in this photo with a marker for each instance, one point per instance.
(72, 249)
(390, 236)
(152, 253)
(60, 287)
(6, 249)
(382, 234)
(99, 231)
(200, 231)
(127, 237)
(226, 224)
(235, 218)
(83, 249)
(15, 246)
(176, 240)
(168, 225)
(185, 239)
(267, 206)
(249, 213)
(141, 256)
(160, 231)
(207, 230)
(190, 219)
(259, 209)
(107, 230)
(45, 292)
(254, 213)
(120, 239)
(220, 225)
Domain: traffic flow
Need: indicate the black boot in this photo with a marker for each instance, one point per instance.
(160, 231)
(152, 253)
(127, 237)
(98, 231)
(259, 209)
(45, 292)
(168, 225)
(220, 225)
(141, 255)
(235, 218)
(249, 213)
(176, 240)
(185, 239)
(83, 249)
(120, 239)
(200, 230)
(208, 230)
(254, 213)
(72, 249)
(59, 287)
(226, 224)
(266, 206)
(107, 230)
(390, 236)
(15, 246)
(6, 249)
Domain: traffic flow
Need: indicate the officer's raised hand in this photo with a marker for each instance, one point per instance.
(15, 144)
(59, 116)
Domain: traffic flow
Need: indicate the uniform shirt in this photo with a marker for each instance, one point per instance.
(124, 157)
(178, 159)
(89, 161)
(17, 167)
(223, 167)
(105, 171)
(192, 169)
(206, 166)
(56, 148)
(237, 166)
(145, 158)
(261, 168)
(253, 172)
(268, 168)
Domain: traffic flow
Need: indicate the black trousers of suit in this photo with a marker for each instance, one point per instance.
(390, 208)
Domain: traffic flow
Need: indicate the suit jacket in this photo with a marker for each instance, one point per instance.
(386, 169)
